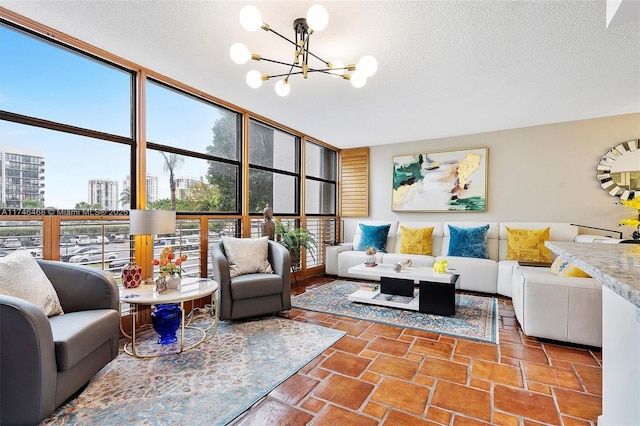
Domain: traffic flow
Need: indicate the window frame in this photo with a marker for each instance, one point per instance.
(159, 147)
(320, 180)
(296, 174)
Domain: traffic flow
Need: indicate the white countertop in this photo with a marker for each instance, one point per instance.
(616, 266)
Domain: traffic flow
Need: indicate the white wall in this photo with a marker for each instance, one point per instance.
(540, 173)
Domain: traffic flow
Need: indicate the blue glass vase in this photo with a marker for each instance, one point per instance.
(166, 321)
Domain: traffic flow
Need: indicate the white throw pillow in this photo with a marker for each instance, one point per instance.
(21, 276)
(247, 255)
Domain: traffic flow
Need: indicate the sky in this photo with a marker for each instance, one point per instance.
(55, 84)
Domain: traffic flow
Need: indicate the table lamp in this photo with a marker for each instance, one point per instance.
(152, 222)
(149, 223)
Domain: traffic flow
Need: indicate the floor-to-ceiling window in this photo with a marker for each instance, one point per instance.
(193, 151)
(57, 106)
(71, 161)
(274, 169)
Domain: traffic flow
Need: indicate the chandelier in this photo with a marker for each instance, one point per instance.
(316, 20)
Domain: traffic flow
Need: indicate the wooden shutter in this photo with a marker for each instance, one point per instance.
(354, 182)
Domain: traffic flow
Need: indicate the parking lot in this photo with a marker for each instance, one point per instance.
(116, 254)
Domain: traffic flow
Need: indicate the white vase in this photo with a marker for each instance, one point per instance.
(173, 281)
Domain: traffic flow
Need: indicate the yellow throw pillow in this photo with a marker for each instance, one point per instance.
(528, 245)
(565, 268)
(415, 240)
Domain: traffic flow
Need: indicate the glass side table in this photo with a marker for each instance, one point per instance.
(190, 290)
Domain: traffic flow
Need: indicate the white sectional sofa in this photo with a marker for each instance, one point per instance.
(546, 305)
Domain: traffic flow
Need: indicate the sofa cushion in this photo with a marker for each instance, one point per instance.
(565, 268)
(528, 245)
(77, 334)
(21, 276)
(247, 255)
(373, 236)
(252, 286)
(468, 242)
(559, 308)
(415, 240)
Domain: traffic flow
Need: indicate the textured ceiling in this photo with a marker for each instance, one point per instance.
(446, 68)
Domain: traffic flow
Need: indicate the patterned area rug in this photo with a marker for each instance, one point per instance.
(476, 317)
(209, 385)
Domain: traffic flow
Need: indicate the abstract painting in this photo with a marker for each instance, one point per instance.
(440, 181)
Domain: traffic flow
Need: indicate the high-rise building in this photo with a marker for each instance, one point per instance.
(183, 185)
(104, 192)
(152, 189)
(21, 177)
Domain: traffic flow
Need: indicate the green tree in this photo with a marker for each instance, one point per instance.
(261, 151)
(166, 204)
(204, 197)
(171, 163)
(224, 176)
(32, 204)
(83, 205)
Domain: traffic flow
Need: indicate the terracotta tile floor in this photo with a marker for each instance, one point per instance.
(378, 374)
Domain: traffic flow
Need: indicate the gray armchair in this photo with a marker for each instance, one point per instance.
(44, 361)
(253, 294)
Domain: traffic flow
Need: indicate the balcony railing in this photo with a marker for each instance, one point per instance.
(103, 242)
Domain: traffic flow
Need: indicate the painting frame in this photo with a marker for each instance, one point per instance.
(441, 181)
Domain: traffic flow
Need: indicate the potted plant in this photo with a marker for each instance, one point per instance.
(294, 239)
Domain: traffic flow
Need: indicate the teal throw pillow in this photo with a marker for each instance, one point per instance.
(469, 242)
(373, 236)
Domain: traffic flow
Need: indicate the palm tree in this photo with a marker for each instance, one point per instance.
(125, 198)
(171, 163)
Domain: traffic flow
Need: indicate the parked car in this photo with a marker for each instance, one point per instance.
(92, 255)
(118, 264)
(12, 243)
(33, 242)
(81, 240)
(73, 252)
(189, 244)
(99, 239)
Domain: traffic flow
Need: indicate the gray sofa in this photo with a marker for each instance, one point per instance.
(256, 294)
(44, 361)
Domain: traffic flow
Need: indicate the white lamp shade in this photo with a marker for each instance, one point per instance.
(239, 53)
(282, 88)
(250, 18)
(358, 79)
(367, 65)
(317, 17)
(152, 222)
(254, 79)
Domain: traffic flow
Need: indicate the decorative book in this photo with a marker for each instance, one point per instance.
(369, 287)
(393, 298)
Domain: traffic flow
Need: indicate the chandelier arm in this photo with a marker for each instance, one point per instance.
(286, 74)
(280, 62)
(305, 48)
(309, 52)
(281, 36)
(294, 43)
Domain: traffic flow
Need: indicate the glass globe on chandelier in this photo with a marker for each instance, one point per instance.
(316, 20)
